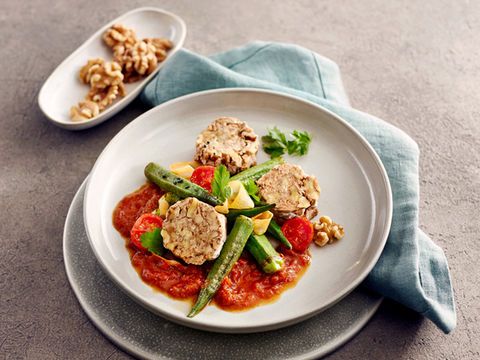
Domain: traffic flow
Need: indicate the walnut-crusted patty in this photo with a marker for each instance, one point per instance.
(227, 141)
(194, 231)
(292, 191)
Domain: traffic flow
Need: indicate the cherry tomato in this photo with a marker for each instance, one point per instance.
(203, 176)
(145, 223)
(299, 232)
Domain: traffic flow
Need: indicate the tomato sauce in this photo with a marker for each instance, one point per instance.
(245, 287)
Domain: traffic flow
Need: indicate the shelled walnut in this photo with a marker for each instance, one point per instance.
(100, 74)
(326, 231)
(140, 59)
(104, 97)
(84, 110)
(119, 35)
(161, 46)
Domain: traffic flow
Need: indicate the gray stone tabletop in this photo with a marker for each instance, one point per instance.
(413, 63)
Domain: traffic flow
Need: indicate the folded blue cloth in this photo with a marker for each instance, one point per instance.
(412, 270)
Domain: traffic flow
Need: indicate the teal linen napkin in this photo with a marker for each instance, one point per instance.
(412, 270)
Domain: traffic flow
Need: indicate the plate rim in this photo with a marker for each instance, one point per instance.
(119, 105)
(139, 352)
(270, 325)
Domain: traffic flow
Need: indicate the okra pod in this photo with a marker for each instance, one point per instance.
(256, 172)
(269, 260)
(231, 251)
(168, 181)
(276, 231)
(233, 213)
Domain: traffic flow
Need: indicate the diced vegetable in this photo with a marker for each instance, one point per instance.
(144, 224)
(275, 230)
(203, 176)
(269, 260)
(170, 182)
(231, 251)
(256, 172)
(299, 232)
(233, 213)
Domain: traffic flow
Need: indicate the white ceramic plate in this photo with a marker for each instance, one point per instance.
(63, 89)
(355, 192)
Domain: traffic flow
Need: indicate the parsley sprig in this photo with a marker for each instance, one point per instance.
(220, 187)
(252, 190)
(276, 143)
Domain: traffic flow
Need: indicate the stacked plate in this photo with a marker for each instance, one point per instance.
(355, 190)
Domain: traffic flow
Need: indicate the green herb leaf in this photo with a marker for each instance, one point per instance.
(153, 241)
(252, 190)
(220, 187)
(276, 144)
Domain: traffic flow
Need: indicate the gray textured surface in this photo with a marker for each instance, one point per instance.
(413, 63)
(144, 334)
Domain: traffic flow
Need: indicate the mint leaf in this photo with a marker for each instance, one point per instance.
(153, 241)
(220, 187)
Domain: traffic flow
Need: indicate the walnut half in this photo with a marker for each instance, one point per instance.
(326, 231)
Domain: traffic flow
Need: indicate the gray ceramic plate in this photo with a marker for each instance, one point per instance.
(149, 336)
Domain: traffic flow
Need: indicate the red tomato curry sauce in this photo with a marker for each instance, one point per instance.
(245, 287)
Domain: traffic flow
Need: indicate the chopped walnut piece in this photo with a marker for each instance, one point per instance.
(139, 60)
(89, 69)
(84, 110)
(161, 46)
(326, 231)
(102, 74)
(119, 34)
(104, 97)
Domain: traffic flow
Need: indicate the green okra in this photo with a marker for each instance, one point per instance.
(276, 231)
(256, 172)
(231, 251)
(168, 181)
(269, 260)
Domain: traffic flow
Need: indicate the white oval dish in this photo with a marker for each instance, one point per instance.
(63, 89)
(355, 191)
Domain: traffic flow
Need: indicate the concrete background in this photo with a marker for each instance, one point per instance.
(413, 63)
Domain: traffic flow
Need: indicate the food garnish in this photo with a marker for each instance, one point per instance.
(144, 224)
(276, 144)
(252, 190)
(220, 188)
(231, 251)
(327, 231)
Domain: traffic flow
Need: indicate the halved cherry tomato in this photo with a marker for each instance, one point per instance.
(203, 176)
(299, 232)
(145, 223)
